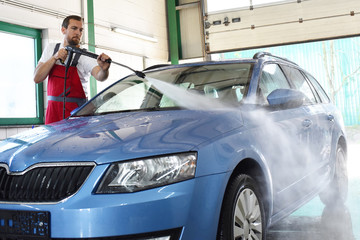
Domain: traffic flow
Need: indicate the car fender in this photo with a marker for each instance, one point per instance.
(229, 160)
(252, 154)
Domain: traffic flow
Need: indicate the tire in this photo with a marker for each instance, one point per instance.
(336, 223)
(242, 215)
(336, 192)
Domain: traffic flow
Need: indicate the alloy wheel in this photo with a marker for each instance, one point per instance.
(247, 217)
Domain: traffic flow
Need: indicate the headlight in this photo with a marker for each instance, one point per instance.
(148, 173)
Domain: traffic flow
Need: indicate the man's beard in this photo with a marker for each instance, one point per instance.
(73, 41)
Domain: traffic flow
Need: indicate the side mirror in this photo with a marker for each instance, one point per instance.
(286, 98)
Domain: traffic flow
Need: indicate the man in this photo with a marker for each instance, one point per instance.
(52, 65)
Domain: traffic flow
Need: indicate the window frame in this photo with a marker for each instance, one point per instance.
(39, 89)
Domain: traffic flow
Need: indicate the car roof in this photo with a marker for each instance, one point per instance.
(258, 57)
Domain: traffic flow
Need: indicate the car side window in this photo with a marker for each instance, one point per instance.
(323, 96)
(272, 77)
(300, 83)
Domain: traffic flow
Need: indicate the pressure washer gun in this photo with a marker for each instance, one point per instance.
(72, 49)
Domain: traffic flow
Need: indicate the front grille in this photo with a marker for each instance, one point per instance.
(43, 183)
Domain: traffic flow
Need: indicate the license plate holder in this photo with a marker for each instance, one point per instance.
(25, 224)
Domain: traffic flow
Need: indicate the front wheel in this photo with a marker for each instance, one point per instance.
(242, 216)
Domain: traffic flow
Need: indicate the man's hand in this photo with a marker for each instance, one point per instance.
(61, 55)
(101, 72)
(101, 60)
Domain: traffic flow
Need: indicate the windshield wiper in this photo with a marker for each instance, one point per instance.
(160, 109)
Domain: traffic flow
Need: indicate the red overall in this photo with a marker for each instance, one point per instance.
(75, 95)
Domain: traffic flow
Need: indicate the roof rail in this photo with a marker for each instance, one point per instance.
(263, 54)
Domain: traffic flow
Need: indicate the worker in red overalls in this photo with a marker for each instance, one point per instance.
(52, 65)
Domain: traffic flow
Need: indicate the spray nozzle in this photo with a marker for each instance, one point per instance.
(93, 55)
(140, 74)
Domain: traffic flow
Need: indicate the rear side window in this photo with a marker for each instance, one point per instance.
(300, 83)
(272, 77)
(323, 96)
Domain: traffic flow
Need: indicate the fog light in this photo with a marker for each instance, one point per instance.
(172, 234)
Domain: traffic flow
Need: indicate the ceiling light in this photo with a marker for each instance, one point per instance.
(134, 34)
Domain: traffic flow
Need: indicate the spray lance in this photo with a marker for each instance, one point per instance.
(72, 49)
(93, 55)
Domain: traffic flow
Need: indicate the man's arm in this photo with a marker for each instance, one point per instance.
(101, 71)
(43, 68)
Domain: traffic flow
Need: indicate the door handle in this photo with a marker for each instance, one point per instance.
(307, 123)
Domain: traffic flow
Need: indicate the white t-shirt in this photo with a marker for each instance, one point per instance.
(84, 66)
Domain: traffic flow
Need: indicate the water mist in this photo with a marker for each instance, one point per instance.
(284, 145)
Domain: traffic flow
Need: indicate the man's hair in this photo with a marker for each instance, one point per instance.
(66, 21)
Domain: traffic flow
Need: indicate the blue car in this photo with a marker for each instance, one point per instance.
(200, 151)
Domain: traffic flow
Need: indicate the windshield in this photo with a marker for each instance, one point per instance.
(225, 82)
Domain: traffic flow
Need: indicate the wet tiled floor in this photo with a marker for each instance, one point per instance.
(316, 222)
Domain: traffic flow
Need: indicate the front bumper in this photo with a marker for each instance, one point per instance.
(185, 208)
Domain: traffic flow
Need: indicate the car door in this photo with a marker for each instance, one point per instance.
(286, 137)
(316, 127)
(326, 120)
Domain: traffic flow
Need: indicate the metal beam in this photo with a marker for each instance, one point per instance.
(91, 41)
(173, 30)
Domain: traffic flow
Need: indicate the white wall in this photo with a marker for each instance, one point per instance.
(145, 17)
(140, 16)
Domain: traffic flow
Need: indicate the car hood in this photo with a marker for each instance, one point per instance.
(116, 137)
